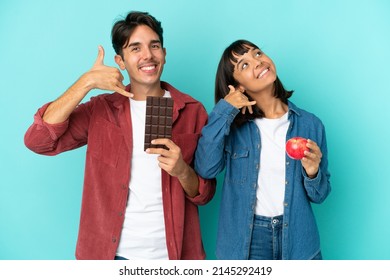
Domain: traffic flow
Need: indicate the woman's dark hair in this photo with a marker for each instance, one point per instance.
(122, 29)
(224, 77)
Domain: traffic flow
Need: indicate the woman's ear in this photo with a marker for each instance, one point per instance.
(120, 62)
(241, 88)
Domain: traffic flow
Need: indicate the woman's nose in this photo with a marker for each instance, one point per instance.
(258, 63)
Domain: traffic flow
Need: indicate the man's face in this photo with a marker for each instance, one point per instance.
(143, 57)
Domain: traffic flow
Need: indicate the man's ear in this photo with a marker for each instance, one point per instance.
(165, 54)
(120, 62)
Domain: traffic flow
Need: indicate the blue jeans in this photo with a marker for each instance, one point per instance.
(266, 243)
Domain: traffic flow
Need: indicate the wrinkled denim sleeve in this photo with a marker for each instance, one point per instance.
(209, 157)
(318, 188)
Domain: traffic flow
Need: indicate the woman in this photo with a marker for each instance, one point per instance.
(266, 197)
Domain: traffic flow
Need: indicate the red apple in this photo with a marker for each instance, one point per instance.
(296, 147)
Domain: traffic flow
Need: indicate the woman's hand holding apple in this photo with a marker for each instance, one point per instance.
(312, 159)
(307, 151)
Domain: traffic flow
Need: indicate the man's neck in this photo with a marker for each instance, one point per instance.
(142, 91)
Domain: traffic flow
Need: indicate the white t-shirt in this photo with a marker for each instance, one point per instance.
(143, 233)
(272, 171)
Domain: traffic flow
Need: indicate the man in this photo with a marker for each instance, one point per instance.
(136, 204)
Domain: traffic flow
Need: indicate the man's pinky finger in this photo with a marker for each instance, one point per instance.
(125, 93)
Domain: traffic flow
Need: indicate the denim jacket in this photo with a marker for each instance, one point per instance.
(236, 150)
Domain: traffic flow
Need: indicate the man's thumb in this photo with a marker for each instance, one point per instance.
(100, 56)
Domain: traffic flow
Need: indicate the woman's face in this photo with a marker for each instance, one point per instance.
(254, 71)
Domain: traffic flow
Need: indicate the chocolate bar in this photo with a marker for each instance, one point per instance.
(158, 123)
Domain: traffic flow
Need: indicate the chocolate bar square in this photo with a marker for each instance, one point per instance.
(158, 121)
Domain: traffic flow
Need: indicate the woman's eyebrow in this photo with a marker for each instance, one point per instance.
(239, 62)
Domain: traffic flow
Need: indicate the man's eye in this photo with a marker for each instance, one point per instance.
(155, 46)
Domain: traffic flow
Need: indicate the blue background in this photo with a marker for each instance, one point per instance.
(334, 54)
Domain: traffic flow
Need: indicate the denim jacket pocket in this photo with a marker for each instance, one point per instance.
(237, 165)
(105, 141)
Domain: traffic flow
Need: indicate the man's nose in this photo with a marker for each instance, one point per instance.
(147, 53)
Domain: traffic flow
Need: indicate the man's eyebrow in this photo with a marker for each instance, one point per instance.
(155, 41)
(133, 44)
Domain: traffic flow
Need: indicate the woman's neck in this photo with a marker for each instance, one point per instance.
(272, 107)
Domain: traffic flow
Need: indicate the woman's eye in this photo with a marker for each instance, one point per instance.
(244, 65)
(258, 53)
